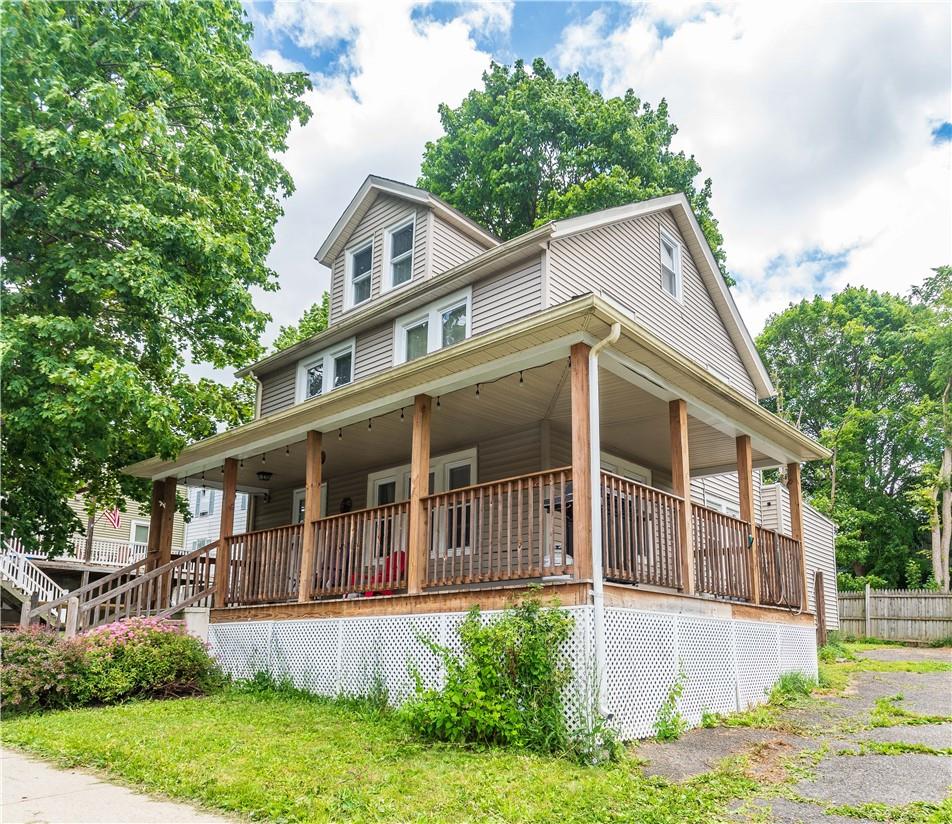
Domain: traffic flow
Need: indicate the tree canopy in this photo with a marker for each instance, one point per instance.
(140, 188)
(860, 371)
(313, 320)
(530, 147)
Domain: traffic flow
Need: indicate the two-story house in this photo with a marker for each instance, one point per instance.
(576, 408)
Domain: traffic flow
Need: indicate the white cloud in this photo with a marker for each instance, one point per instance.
(813, 121)
(374, 118)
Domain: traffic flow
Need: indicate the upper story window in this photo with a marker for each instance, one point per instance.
(326, 371)
(398, 250)
(670, 266)
(358, 266)
(434, 327)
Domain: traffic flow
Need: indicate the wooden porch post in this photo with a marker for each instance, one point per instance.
(796, 522)
(155, 525)
(581, 463)
(419, 487)
(681, 484)
(165, 542)
(745, 483)
(312, 512)
(223, 553)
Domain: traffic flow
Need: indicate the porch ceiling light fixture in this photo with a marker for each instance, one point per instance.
(265, 476)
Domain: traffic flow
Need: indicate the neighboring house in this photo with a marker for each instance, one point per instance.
(205, 525)
(577, 407)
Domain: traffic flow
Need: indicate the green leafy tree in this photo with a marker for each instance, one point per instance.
(314, 320)
(531, 147)
(140, 188)
(853, 371)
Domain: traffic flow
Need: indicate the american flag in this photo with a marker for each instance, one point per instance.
(113, 516)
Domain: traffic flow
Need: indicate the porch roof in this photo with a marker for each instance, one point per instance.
(639, 357)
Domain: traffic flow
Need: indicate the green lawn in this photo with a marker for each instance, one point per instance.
(286, 758)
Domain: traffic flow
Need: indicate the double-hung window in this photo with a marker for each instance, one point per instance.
(398, 253)
(326, 371)
(671, 266)
(358, 265)
(433, 327)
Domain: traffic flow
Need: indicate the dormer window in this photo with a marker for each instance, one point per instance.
(670, 266)
(398, 244)
(358, 269)
(326, 371)
(433, 327)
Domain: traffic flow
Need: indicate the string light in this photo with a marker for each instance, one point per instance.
(370, 424)
(477, 390)
(401, 413)
(287, 450)
(203, 480)
(241, 464)
(521, 380)
(437, 401)
(340, 434)
(262, 457)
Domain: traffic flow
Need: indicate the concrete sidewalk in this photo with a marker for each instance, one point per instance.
(36, 793)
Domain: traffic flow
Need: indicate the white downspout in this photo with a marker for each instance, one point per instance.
(595, 470)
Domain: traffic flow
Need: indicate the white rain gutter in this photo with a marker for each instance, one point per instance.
(595, 470)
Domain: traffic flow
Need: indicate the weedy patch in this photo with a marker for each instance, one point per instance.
(888, 713)
(918, 812)
(767, 762)
(893, 748)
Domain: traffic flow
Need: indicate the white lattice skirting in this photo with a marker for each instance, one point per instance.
(726, 664)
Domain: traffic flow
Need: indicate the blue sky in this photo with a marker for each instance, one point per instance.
(826, 128)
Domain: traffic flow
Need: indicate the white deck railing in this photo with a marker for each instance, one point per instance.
(28, 577)
(105, 552)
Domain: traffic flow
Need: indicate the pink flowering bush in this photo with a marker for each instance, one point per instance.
(134, 658)
(38, 670)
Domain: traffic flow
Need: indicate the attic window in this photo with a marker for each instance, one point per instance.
(670, 266)
(325, 371)
(398, 242)
(359, 264)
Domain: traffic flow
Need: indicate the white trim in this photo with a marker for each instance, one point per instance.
(349, 254)
(428, 246)
(627, 469)
(440, 466)
(664, 236)
(298, 496)
(132, 531)
(386, 277)
(328, 358)
(432, 315)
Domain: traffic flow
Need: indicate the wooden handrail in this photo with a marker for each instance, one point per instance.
(511, 479)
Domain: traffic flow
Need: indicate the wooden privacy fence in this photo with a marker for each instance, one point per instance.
(896, 614)
(502, 530)
(721, 554)
(641, 533)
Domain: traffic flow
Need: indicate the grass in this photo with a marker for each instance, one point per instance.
(893, 748)
(918, 812)
(888, 713)
(290, 757)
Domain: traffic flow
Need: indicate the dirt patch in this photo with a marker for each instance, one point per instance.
(767, 760)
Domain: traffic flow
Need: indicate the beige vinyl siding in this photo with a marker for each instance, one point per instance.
(373, 351)
(449, 247)
(385, 212)
(277, 390)
(725, 487)
(515, 453)
(105, 531)
(274, 512)
(622, 262)
(819, 545)
(507, 297)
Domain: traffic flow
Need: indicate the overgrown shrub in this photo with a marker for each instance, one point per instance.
(670, 724)
(38, 670)
(138, 657)
(508, 685)
(791, 686)
(144, 657)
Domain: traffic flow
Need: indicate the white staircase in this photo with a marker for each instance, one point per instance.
(21, 578)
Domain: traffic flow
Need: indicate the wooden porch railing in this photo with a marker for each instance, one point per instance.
(722, 554)
(362, 552)
(264, 566)
(641, 534)
(503, 530)
(781, 569)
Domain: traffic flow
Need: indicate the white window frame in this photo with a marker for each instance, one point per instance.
(440, 467)
(132, 532)
(349, 254)
(386, 281)
(722, 505)
(298, 495)
(626, 469)
(432, 314)
(327, 357)
(666, 237)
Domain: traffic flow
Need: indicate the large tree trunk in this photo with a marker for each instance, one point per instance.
(942, 521)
